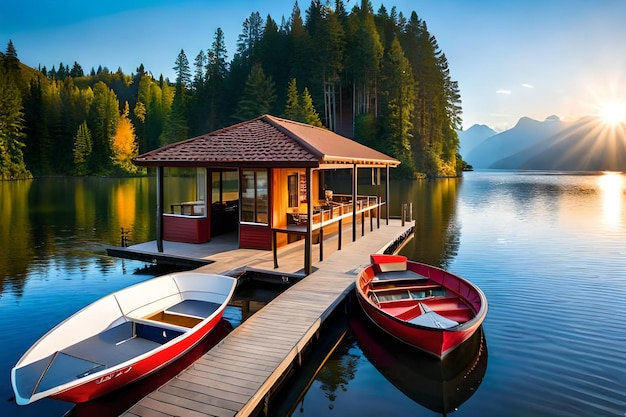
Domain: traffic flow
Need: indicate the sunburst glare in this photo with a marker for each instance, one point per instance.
(612, 188)
(613, 112)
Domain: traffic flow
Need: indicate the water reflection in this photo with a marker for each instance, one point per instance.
(440, 386)
(51, 224)
(16, 249)
(434, 212)
(612, 189)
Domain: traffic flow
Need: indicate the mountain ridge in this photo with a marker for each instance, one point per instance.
(586, 144)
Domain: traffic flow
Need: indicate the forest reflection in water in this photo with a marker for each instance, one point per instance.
(546, 248)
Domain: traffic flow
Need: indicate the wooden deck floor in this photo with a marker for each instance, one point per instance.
(235, 376)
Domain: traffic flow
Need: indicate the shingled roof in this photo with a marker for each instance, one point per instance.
(266, 141)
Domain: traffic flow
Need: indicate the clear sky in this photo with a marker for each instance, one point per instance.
(512, 58)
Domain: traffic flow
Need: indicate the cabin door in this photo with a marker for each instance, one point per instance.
(224, 202)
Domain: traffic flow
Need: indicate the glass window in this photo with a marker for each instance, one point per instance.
(292, 190)
(254, 196)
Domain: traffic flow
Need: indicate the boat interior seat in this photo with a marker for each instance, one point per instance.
(398, 275)
(193, 308)
(103, 350)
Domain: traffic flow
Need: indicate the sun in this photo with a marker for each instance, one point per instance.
(613, 112)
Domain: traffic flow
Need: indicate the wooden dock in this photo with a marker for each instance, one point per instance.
(236, 376)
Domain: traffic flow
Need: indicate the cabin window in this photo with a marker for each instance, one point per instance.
(200, 184)
(292, 190)
(254, 196)
(184, 191)
(225, 188)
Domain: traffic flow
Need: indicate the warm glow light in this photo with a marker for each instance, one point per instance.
(612, 189)
(613, 113)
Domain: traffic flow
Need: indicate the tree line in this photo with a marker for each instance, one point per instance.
(379, 78)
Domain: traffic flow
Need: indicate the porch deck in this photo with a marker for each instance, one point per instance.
(239, 375)
(222, 254)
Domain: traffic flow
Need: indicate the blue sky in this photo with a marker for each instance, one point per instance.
(532, 58)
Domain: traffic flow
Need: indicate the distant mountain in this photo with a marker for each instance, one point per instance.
(525, 134)
(470, 138)
(585, 145)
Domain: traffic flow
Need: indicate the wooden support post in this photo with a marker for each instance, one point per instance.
(403, 213)
(274, 248)
(378, 204)
(355, 186)
(363, 223)
(340, 229)
(159, 209)
(308, 241)
(387, 196)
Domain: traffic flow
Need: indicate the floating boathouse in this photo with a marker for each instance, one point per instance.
(272, 181)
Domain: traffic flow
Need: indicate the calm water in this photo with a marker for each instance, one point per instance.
(548, 251)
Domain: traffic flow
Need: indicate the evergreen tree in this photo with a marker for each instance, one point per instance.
(398, 98)
(311, 116)
(437, 104)
(293, 110)
(301, 49)
(11, 122)
(61, 73)
(198, 77)
(77, 71)
(183, 73)
(34, 125)
(82, 150)
(410, 110)
(300, 108)
(276, 65)
(217, 74)
(249, 37)
(258, 95)
(10, 61)
(364, 57)
(104, 117)
(328, 35)
(176, 127)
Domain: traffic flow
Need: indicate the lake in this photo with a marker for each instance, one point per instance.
(546, 248)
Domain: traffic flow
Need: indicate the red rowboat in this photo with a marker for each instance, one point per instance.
(122, 337)
(421, 305)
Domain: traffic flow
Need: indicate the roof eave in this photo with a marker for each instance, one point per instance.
(227, 164)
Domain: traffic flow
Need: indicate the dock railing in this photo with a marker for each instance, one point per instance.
(332, 212)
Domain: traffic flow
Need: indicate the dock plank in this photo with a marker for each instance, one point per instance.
(233, 378)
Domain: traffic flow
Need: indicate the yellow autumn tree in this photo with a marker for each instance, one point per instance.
(125, 143)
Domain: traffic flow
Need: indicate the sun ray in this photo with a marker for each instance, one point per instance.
(613, 112)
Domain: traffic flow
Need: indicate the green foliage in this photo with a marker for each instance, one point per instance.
(104, 116)
(292, 108)
(183, 74)
(176, 127)
(300, 107)
(380, 76)
(82, 149)
(258, 95)
(11, 120)
(311, 116)
(366, 130)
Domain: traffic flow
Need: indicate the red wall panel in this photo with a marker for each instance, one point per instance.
(186, 229)
(252, 236)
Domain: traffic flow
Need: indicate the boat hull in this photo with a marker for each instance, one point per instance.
(122, 337)
(436, 341)
(118, 378)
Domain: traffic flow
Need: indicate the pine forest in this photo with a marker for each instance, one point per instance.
(379, 78)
